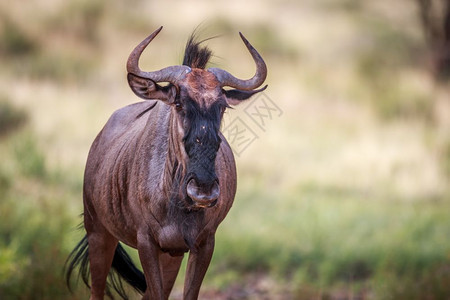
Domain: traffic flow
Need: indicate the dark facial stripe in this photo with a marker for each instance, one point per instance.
(202, 123)
(201, 138)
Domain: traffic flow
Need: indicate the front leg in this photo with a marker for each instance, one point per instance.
(149, 255)
(198, 263)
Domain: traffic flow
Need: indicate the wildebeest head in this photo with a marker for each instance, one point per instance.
(198, 102)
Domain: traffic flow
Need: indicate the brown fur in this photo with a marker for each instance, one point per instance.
(203, 87)
(160, 177)
(131, 168)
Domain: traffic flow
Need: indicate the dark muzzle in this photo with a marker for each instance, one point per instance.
(203, 195)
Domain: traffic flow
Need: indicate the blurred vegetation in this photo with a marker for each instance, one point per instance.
(11, 118)
(380, 65)
(338, 240)
(435, 19)
(15, 42)
(31, 54)
(34, 219)
(345, 196)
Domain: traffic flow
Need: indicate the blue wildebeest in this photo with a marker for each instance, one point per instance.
(160, 177)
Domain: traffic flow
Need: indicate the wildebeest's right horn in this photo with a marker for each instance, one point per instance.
(226, 79)
(170, 74)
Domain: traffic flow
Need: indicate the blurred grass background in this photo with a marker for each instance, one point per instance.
(345, 196)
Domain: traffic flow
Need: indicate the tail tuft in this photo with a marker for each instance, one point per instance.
(79, 257)
(122, 268)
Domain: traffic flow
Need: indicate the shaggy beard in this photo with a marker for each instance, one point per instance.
(187, 220)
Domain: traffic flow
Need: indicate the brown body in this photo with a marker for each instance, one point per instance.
(129, 163)
(160, 177)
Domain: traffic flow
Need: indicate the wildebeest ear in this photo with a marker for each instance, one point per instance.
(234, 97)
(148, 89)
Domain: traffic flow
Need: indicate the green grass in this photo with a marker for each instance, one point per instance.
(35, 219)
(319, 237)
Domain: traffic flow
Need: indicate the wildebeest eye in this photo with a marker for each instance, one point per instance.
(178, 106)
(224, 108)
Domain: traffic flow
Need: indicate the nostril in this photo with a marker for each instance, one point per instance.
(192, 187)
(203, 194)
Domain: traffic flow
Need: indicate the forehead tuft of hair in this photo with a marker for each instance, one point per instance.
(195, 55)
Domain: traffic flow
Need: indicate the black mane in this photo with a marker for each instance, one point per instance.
(196, 56)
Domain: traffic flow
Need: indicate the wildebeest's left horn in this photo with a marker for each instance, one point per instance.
(226, 79)
(170, 74)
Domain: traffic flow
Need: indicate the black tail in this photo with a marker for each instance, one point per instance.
(122, 268)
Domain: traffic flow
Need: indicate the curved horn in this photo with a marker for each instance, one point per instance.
(226, 79)
(170, 74)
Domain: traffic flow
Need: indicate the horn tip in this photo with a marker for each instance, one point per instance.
(246, 42)
(155, 33)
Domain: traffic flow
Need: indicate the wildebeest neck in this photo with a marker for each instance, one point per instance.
(186, 219)
(175, 167)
